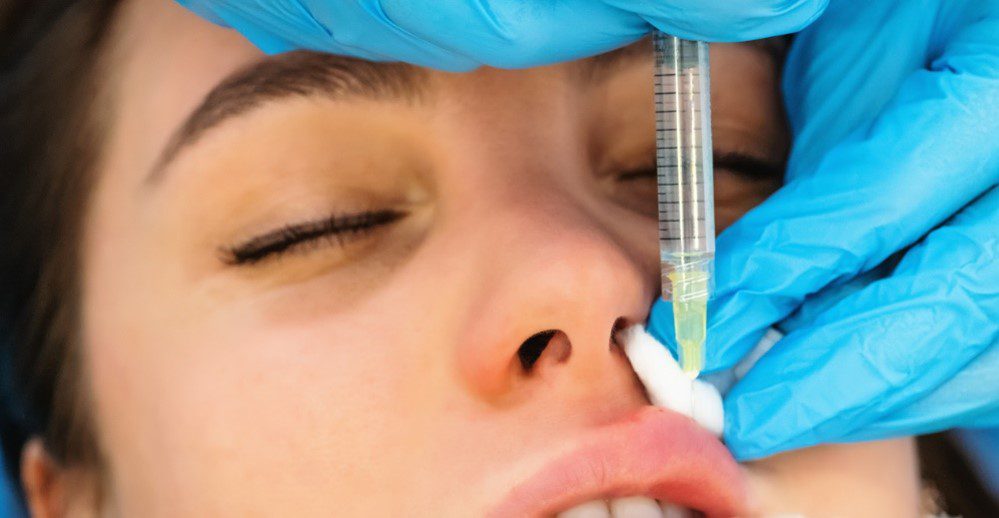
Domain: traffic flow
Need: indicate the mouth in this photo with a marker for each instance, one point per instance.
(653, 457)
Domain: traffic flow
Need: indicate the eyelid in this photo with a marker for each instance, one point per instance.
(742, 164)
(637, 173)
(749, 166)
(282, 240)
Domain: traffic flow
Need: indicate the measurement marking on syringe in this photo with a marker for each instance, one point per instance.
(671, 203)
(675, 184)
(664, 111)
(683, 218)
(674, 221)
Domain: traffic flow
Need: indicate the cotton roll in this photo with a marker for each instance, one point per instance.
(667, 385)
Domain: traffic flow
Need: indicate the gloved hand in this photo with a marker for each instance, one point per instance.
(464, 34)
(895, 112)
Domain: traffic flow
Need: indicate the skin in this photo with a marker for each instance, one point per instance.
(320, 383)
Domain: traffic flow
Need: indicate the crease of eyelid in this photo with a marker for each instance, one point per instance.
(742, 164)
(750, 167)
(337, 228)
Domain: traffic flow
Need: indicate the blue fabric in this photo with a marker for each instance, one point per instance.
(981, 446)
(9, 507)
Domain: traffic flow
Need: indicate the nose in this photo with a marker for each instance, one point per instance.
(554, 284)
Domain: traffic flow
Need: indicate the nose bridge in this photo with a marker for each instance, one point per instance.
(548, 264)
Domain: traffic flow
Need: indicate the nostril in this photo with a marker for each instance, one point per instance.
(619, 325)
(531, 349)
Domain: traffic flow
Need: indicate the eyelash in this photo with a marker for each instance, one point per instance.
(338, 229)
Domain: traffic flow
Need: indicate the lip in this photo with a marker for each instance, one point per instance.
(654, 452)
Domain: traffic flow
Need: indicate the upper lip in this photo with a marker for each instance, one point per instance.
(653, 452)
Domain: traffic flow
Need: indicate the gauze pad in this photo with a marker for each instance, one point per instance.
(667, 385)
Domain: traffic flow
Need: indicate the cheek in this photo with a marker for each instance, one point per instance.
(880, 478)
(216, 406)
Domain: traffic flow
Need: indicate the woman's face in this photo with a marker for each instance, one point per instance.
(313, 296)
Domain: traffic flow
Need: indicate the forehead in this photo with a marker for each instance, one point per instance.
(160, 78)
(163, 78)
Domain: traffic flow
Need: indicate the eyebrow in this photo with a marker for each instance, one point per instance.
(306, 73)
(294, 74)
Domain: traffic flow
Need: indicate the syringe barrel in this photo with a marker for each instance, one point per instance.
(684, 164)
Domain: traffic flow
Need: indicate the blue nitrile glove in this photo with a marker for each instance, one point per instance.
(895, 112)
(9, 507)
(464, 34)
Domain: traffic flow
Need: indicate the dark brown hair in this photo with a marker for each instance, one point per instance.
(50, 55)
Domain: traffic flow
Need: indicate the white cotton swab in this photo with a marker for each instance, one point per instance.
(665, 382)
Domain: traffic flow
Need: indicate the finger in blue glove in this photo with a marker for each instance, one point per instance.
(464, 34)
(912, 353)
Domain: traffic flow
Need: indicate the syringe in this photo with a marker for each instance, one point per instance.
(686, 194)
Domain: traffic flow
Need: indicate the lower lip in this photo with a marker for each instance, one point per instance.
(654, 452)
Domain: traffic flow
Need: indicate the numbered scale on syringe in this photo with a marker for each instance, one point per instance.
(683, 149)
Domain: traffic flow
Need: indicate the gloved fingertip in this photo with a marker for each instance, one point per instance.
(750, 448)
(660, 323)
(204, 10)
(735, 21)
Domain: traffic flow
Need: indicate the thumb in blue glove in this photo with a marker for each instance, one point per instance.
(913, 353)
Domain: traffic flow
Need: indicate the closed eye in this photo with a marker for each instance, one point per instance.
(744, 165)
(337, 230)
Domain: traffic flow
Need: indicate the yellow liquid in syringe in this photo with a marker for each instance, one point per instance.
(690, 312)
